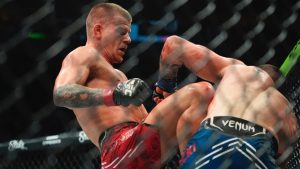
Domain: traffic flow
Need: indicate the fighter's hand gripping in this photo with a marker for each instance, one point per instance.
(163, 88)
(133, 91)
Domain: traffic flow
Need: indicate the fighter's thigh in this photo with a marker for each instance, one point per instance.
(187, 100)
(193, 97)
(165, 116)
(186, 128)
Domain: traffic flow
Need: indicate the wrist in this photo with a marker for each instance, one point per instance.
(168, 85)
(107, 97)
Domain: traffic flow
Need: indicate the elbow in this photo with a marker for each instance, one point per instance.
(59, 101)
(172, 49)
(57, 98)
(172, 43)
(173, 38)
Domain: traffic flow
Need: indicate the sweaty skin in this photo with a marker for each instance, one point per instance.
(87, 75)
(242, 91)
(86, 71)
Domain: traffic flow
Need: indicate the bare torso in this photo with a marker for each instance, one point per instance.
(246, 92)
(242, 91)
(94, 120)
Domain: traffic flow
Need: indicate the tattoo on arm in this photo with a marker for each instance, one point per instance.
(77, 96)
(168, 71)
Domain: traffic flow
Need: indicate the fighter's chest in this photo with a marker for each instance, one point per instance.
(104, 77)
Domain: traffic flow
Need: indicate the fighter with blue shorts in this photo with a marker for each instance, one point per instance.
(230, 142)
(246, 114)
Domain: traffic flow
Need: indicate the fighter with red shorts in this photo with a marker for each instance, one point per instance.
(130, 145)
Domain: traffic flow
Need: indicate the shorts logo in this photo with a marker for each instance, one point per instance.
(129, 88)
(238, 125)
(126, 135)
(188, 152)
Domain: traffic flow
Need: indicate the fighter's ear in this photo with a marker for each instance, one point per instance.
(97, 31)
(272, 70)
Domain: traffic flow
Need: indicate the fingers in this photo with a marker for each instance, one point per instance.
(157, 100)
(157, 95)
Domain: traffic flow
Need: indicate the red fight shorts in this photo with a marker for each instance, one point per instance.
(130, 145)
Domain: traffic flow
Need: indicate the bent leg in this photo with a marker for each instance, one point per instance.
(192, 101)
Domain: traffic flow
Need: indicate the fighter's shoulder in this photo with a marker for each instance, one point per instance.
(121, 74)
(83, 51)
(237, 66)
(84, 54)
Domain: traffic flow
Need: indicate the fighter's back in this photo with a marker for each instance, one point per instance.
(238, 84)
(249, 93)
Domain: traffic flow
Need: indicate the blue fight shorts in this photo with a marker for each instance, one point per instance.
(228, 142)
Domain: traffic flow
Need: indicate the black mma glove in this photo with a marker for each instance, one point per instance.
(133, 91)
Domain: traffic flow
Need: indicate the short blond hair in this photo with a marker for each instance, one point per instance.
(103, 12)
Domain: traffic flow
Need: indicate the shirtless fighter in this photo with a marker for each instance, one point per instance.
(109, 107)
(248, 122)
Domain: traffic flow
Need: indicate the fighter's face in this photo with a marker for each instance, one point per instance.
(116, 39)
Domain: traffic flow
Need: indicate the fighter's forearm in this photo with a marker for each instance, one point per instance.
(77, 96)
(170, 60)
(168, 70)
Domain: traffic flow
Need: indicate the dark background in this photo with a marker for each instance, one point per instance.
(36, 35)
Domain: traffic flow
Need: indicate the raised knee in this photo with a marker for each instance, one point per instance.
(201, 90)
(206, 87)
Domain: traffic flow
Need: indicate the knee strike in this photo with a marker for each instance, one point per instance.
(201, 89)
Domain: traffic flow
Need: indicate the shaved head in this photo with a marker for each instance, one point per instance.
(272, 70)
(103, 13)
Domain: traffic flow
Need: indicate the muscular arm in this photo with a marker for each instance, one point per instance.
(200, 60)
(69, 90)
(78, 96)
